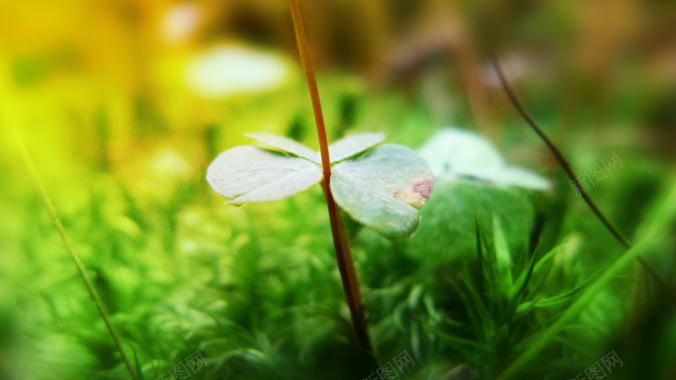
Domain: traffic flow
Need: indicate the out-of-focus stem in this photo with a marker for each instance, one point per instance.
(76, 259)
(578, 185)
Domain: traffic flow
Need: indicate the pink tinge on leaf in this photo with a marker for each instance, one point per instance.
(416, 194)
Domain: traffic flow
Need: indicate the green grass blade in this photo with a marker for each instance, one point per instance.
(137, 367)
(80, 267)
(653, 233)
(547, 257)
(565, 297)
(503, 257)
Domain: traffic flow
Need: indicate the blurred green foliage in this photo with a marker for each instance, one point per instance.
(255, 290)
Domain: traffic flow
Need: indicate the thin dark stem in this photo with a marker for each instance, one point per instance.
(76, 259)
(571, 174)
(559, 156)
(348, 273)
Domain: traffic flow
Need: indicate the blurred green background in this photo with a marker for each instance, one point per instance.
(122, 104)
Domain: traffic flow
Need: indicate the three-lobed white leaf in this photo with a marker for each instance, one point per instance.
(382, 188)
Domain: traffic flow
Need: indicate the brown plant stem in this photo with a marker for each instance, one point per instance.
(341, 245)
(571, 174)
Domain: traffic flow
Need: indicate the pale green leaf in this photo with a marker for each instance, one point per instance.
(338, 151)
(384, 188)
(352, 145)
(248, 174)
(285, 144)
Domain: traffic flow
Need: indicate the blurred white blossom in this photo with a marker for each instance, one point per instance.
(233, 70)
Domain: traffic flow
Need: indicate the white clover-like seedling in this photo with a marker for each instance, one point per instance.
(380, 186)
(459, 155)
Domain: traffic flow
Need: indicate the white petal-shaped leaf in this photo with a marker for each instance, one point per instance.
(351, 145)
(285, 144)
(248, 174)
(338, 151)
(455, 152)
(384, 188)
(459, 155)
